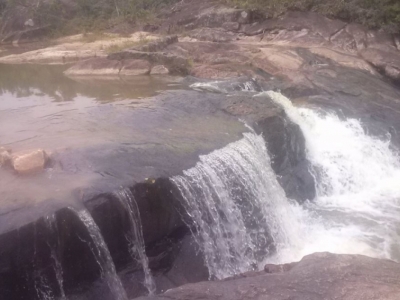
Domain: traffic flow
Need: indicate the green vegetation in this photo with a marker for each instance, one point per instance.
(71, 16)
(372, 13)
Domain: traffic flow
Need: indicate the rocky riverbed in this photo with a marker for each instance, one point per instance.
(214, 61)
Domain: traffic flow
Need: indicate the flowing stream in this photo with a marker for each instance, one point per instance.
(238, 207)
(103, 257)
(51, 225)
(356, 210)
(135, 237)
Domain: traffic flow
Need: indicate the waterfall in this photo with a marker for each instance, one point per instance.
(51, 225)
(357, 208)
(242, 219)
(239, 210)
(135, 237)
(42, 286)
(102, 255)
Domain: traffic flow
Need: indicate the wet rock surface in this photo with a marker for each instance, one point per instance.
(166, 135)
(317, 276)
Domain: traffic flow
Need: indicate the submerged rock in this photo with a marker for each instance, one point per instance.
(5, 157)
(315, 277)
(29, 162)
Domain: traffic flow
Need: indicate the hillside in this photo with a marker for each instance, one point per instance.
(62, 17)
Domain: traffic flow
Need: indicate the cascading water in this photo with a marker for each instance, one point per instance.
(135, 237)
(102, 255)
(51, 225)
(357, 208)
(42, 287)
(238, 207)
(239, 210)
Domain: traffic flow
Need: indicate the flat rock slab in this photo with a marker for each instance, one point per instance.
(318, 276)
(73, 48)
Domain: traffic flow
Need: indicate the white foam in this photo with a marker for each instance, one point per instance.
(357, 208)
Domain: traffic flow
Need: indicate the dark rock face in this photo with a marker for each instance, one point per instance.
(289, 158)
(285, 143)
(26, 257)
(318, 276)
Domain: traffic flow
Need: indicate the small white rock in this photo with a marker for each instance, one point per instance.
(29, 23)
(159, 70)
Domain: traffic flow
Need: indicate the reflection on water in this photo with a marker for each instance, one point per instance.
(27, 80)
(99, 134)
(40, 107)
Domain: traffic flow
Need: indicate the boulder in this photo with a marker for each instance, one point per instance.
(29, 162)
(159, 70)
(135, 67)
(315, 277)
